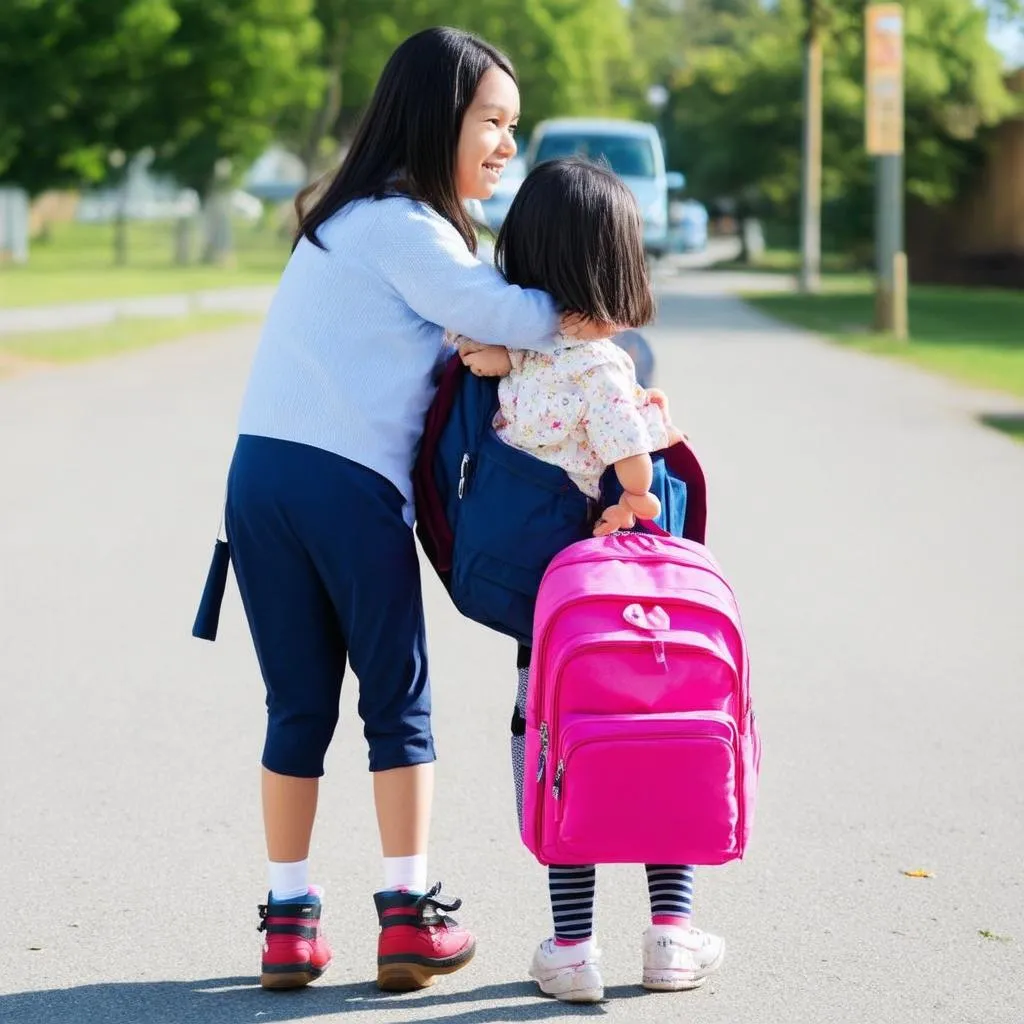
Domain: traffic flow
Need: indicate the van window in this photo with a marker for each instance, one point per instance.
(629, 156)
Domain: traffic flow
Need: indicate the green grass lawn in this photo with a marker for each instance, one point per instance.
(976, 336)
(75, 264)
(787, 261)
(125, 335)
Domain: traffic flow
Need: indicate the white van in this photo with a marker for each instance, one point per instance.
(632, 149)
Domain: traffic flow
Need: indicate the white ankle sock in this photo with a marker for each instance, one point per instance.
(288, 879)
(406, 872)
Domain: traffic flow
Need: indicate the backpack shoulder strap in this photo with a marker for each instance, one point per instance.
(683, 463)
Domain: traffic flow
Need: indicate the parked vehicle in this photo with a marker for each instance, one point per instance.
(632, 149)
(688, 225)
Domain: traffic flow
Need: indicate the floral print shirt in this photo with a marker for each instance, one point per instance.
(580, 408)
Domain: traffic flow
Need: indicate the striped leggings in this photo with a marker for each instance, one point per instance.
(572, 888)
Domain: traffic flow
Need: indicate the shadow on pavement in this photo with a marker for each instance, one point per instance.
(224, 1000)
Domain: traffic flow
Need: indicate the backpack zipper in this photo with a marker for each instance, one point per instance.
(734, 744)
(678, 599)
(556, 786)
(546, 730)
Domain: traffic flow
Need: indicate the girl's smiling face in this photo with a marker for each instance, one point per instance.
(486, 141)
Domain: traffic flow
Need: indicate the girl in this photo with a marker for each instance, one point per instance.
(575, 231)
(329, 424)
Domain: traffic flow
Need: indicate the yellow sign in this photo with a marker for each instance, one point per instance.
(883, 80)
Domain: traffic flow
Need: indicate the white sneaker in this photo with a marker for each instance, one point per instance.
(679, 958)
(569, 973)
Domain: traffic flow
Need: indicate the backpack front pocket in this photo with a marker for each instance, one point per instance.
(658, 789)
(516, 514)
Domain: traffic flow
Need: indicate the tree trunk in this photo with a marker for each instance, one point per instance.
(219, 243)
(121, 227)
(330, 106)
(184, 230)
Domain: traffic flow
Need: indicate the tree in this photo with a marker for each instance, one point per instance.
(73, 84)
(571, 56)
(225, 75)
(200, 82)
(734, 114)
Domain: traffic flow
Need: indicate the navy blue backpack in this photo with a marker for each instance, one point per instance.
(491, 517)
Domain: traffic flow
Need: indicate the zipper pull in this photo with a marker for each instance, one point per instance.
(463, 473)
(542, 760)
(556, 788)
(659, 654)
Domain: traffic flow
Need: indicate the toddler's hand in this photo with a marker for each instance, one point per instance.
(468, 345)
(615, 517)
(658, 397)
(487, 360)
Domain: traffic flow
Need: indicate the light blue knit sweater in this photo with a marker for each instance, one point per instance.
(348, 356)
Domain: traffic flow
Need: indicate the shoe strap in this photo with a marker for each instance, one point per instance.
(426, 910)
(279, 919)
(433, 900)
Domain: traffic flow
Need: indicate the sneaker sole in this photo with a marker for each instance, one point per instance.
(586, 993)
(409, 974)
(582, 995)
(290, 977)
(653, 983)
(673, 984)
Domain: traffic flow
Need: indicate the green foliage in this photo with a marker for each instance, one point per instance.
(227, 73)
(73, 73)
(208, 83)
(735, 113)
(197, 80)
(571, 56)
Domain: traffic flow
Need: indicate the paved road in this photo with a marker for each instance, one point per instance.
(874, 533)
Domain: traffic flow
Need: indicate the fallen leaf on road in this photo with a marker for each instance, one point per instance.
(919, 873)
(986, 934)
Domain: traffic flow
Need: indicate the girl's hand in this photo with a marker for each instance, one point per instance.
(486, 360)
(583, 328)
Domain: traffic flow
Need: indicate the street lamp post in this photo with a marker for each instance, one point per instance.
(810, 199)
(884, 130)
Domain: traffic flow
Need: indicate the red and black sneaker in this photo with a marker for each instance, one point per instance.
(418, 940)
(294, 950)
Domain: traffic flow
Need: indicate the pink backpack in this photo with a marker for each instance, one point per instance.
(641, 745)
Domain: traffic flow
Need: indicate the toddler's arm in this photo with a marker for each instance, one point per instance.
(623, 437)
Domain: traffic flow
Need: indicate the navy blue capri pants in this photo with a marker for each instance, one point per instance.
(327, 571)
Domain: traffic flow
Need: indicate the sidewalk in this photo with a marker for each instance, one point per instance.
(29, 319)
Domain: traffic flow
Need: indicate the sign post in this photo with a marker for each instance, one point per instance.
(883, 91)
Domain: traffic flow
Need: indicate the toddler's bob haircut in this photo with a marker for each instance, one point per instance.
(574, 230)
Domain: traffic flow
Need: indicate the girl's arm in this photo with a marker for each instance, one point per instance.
(426, 261)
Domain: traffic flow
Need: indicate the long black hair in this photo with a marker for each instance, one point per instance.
(574, 230)
(408, 137)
